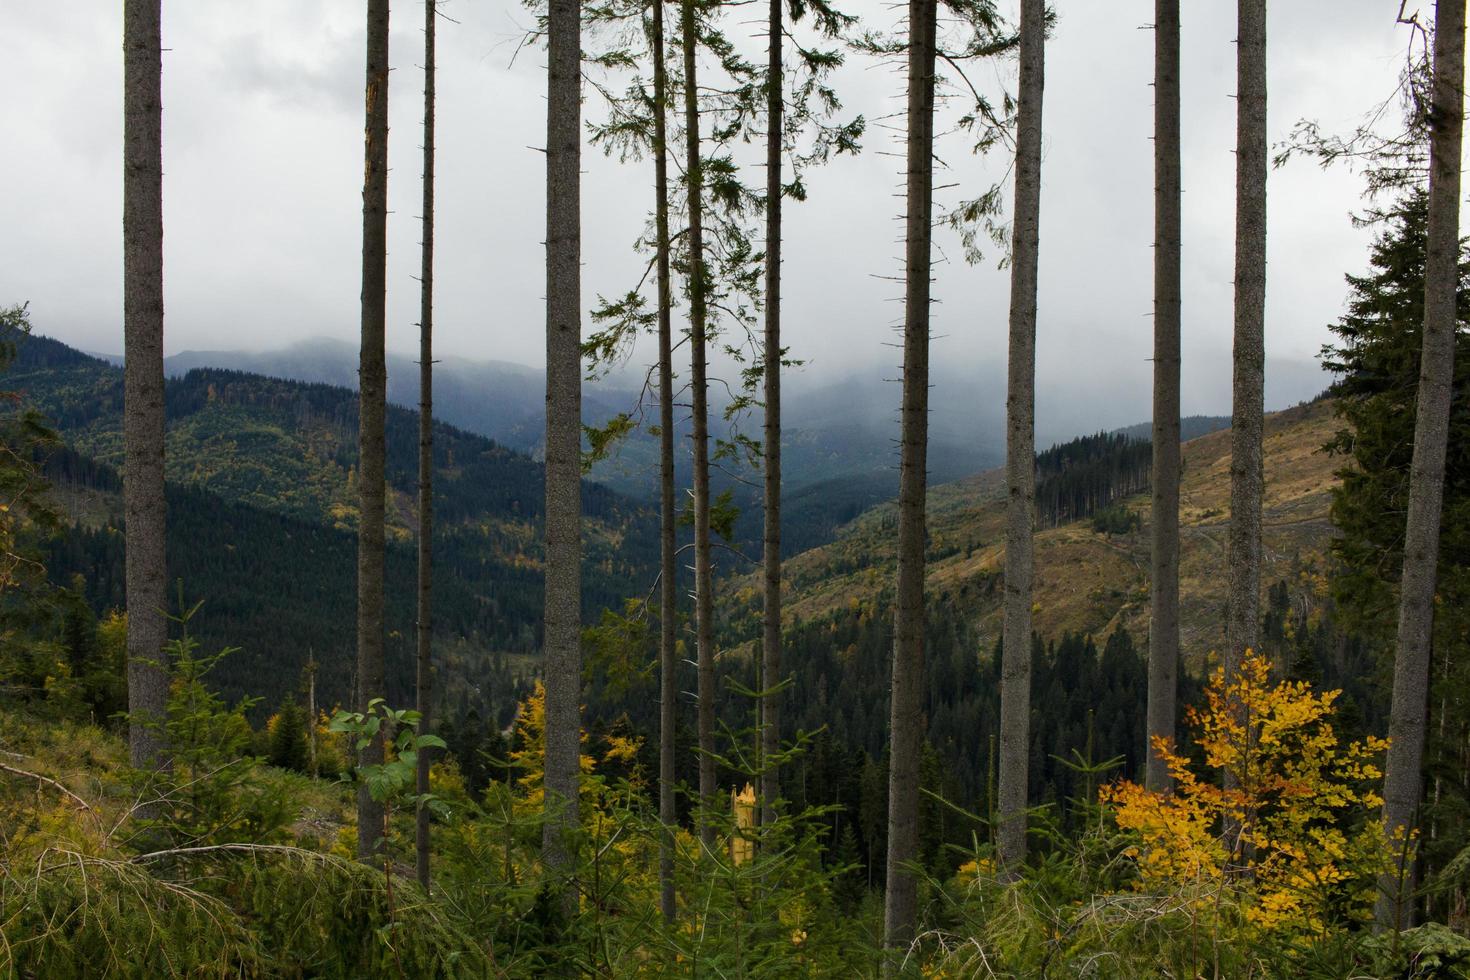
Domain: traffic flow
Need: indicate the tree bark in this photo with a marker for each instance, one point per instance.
(425, 666)
(372, 392)
(1015, 697)
(704, 602)
(144, 505)
(563, 626)
(1247, 466)
(668, 570)
(1163, 637)
(771, 554)
(1403, 772)
(906, 732)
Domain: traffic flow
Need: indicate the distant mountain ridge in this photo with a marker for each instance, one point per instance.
(1190, 427)
(836, 430)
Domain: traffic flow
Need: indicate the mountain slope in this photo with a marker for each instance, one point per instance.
(1086, 581)
(263, 501)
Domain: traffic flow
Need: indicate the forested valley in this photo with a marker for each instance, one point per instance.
(688, 670)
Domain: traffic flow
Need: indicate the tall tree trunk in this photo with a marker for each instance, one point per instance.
(668, 570)
(1403, 773)
(704, 601)
(563, 627)
(1247, 466)
(1015, 695)
(906, 728)
(771, 637)
(1163, 637)
(425, 670)
(372, 392)
(143, 416)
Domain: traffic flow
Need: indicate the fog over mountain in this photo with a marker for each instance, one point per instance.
(267, 101)
(840, 428)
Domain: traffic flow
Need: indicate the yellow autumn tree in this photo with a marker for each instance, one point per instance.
(1294, 834)
(529, 758)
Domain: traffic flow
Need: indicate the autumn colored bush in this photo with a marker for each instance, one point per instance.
(1294, 828)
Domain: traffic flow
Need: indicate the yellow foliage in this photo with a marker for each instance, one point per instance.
(530, 758)
(973, 870)
(447, 782)
(622, 748)
(1299, 811)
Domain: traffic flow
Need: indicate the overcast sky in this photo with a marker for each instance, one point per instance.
(263, 171)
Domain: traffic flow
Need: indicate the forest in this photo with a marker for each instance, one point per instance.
(300, 680)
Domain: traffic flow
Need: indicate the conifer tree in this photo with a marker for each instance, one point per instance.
(424, 620)
(704, 601)
(1163, 642)
(372, 410)
(1403, 772)
(906, 733)
(287, 748)
(1015, 705)
(813, 65)
(1377, 360)
(143, 398)
(1247, 433)
(563, 612)
(770, 704)
(668, 538)
(636, 123)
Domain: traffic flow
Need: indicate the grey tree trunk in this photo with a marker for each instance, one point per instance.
(1247, 465)
(425, 625)
(1015, 693)
(668, 584)
(563, 626)
(311, 711)
(1163, 637)
(143, 418)
(704, 602)
(372, 392)
(906, 726)
(770, 702)
(1403, 773)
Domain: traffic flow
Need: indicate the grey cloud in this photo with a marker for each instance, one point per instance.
(264, 162)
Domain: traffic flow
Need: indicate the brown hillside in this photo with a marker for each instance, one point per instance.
(1085, 580)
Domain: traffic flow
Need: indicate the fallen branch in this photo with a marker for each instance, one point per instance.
(49, 782)
(241, 848)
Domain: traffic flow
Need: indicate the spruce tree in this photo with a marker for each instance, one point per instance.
(424, 625)
(287, 744)
(668, 535)
(1403, 772)
(1247, 432)
(770, 704)
(1015, 704)
(704, 600)
(1163, 638)
(143, 397)
(372, 410)
(562, 657)
(906, 732)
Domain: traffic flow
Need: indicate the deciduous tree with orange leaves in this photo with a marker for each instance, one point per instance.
(1303, 848)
